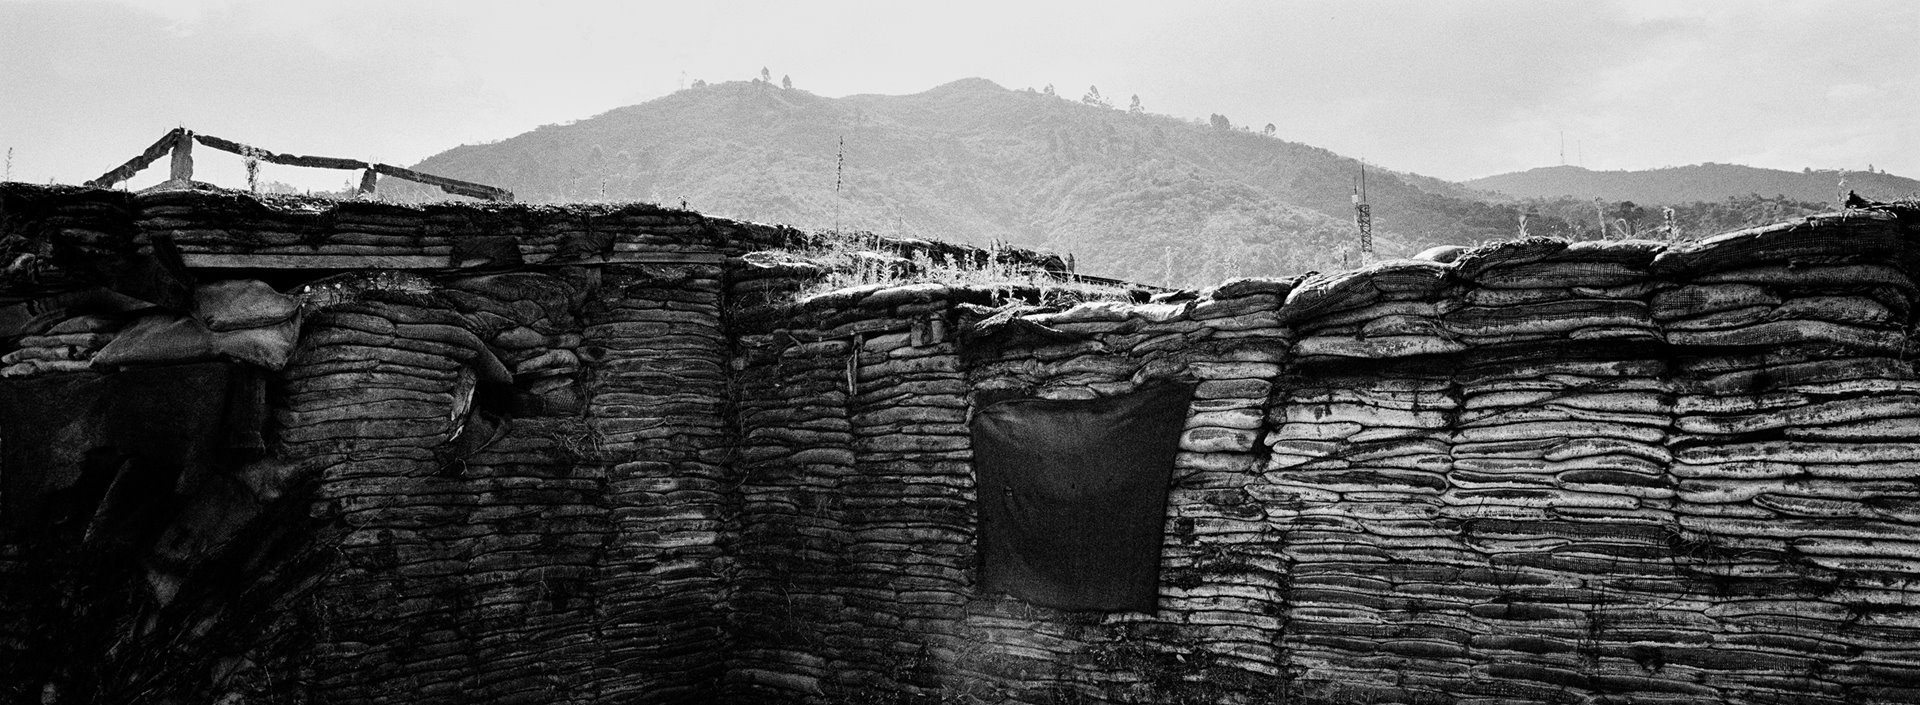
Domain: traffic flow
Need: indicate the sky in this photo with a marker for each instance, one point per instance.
(1456, 90)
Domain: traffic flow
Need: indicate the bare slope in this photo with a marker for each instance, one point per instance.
(1132, 195)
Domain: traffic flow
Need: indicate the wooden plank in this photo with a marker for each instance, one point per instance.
(134, 165)
(1090, 279)
(636, 258)
(205, 260)
(182, 169)
(231, 261)
(453, 186)
(180, 141)
(320, 162)
(226, 145)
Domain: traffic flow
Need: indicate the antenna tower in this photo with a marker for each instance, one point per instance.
(1363, 216)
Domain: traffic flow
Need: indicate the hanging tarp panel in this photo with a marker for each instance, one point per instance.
(1073, 496)
(78, 431)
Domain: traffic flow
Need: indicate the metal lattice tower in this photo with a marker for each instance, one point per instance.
(1363, 215)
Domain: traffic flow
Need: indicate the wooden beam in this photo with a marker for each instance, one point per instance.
(207, 260)
(1105, 281)
(181, 170)
(134, 165)
(180, 143)
(453, 186)
(225, 145)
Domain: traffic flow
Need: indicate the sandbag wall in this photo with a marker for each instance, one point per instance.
(508, 478)
(856, 565)
(1220, 613)
(853, 532)
(1547, 472)
(655, 358)
(124, 572)
(1607, 472)
(537, 528)
(508, 463)
(557, 540)
(1592, 473)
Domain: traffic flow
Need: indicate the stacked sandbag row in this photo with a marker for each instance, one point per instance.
(654, 357)
(527, 447)
(1539, 290)
(471, 562)
(365, 410)
(762, 282)
(1388, 310)
(855, 529)
(569, 484)
(530, 322)
(1354, 487)
(909, 503)
(795, 453)
(456, 538)
(204, 222)
(1794, 453)
(291, 228)
(1212, 633)
(1550, 513)
(67, 346)
(1559, 489)
(233, 222)
(236, 319)
(1597, 472)
(1568, 468)
(1557, 485)
(54, 239)
(1358, 462)
(1222, 573)
(1564, 407)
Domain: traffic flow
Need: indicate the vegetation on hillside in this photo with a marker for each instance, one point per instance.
(1708, 182)
(1130, 194)
(1591, 219)
(1127, 193)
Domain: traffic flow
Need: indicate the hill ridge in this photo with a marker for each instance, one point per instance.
(1707, 181)
(1130, 194)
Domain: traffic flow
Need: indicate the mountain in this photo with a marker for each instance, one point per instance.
(1130, 194)
(1699, 182)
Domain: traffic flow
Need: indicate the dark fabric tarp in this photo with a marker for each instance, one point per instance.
(1073, 496)
(171, 425)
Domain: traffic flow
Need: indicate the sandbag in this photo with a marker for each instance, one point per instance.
(241, 303)
(1511, 253)
(1867, 236)
(1324, 294)
(166, 338)
(267, 347)
(159, 338)
(35, 368)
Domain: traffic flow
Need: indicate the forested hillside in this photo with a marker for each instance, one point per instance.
(1699, 182)
(1583, 219)
(1129, 193)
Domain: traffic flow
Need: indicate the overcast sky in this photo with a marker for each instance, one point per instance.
(1450, 89)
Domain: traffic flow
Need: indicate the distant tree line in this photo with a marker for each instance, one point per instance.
(1579, 219)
